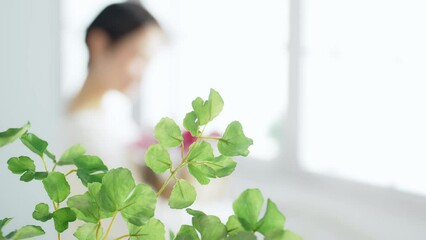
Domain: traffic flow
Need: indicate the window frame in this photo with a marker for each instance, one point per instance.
(291, 175)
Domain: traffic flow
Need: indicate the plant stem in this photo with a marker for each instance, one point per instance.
(44, 164)
(110, 225)
(71, 171)
(59, 236)
(182, 164)
(98, 228)
(54, 167)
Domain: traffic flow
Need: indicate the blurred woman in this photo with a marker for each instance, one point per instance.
(121, 41)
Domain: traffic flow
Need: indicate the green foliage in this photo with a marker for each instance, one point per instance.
(187, 232)
(90, 169)
(168, 133)
(234, 142)
(88, 231)
(42, 212)
(190, 123)
(152, 230)
(72, 153)
(183, 195)
(113, 192)
(34, 143)
(56, 186)
(19, 165)
(62, 217)
(247, 208)
(158, 159)
(24, 232)
(11, 134)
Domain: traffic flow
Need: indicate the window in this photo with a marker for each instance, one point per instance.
(237, 47)
(363, 84)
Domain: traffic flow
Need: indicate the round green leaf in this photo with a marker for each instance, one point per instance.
(152, 230)
(34, 143)
(28, 231)
(116, 187)
(211, 228)
(272, 220)
(62, 217)
(27, 176)
(247, 208)
(41, 212)
(168, 133)
(234, 226)
(56, 186)
(187, 232)
(183, 195)
(85, 207)
(201, 151)
(19, 165)
(190, 123)
(72, 153)
(87, 231)
(90, 169)
(234, 142)
(140, 205)
(158, 158)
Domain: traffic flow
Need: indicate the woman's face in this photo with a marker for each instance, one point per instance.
(125, 61)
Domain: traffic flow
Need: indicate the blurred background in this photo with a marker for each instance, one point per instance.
(331, 91)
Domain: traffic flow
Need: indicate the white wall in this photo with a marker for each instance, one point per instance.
(29, 91)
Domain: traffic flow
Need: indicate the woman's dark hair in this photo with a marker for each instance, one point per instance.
(120, 19)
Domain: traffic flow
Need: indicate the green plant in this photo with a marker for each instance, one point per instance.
(113, 191)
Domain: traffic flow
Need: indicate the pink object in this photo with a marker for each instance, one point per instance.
(188, 139)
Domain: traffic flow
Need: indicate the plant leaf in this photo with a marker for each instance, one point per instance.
(183, 195)
(234, 142)
(272, 220)
(158, 158)
(90, 169)
(198, 174)
(72, 153)
(243, 236)
(27, 176)
(40, 175)
(201, 109)
(140, 206)
(25, 232)
(187, 232)
(247, 208)
(210, 227)
(168, 133)
(208, 110)
(85, 207)
(215, 104)
(34, 143)
(3, 223)
(190, 123)
(234, 226)
(56, 186)
(117, 184)
(19, 165)
(152, 230)
(201, 151)
(87, 231)
(62, 217)
(41, 212)
(11, 134)
(217, 167)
